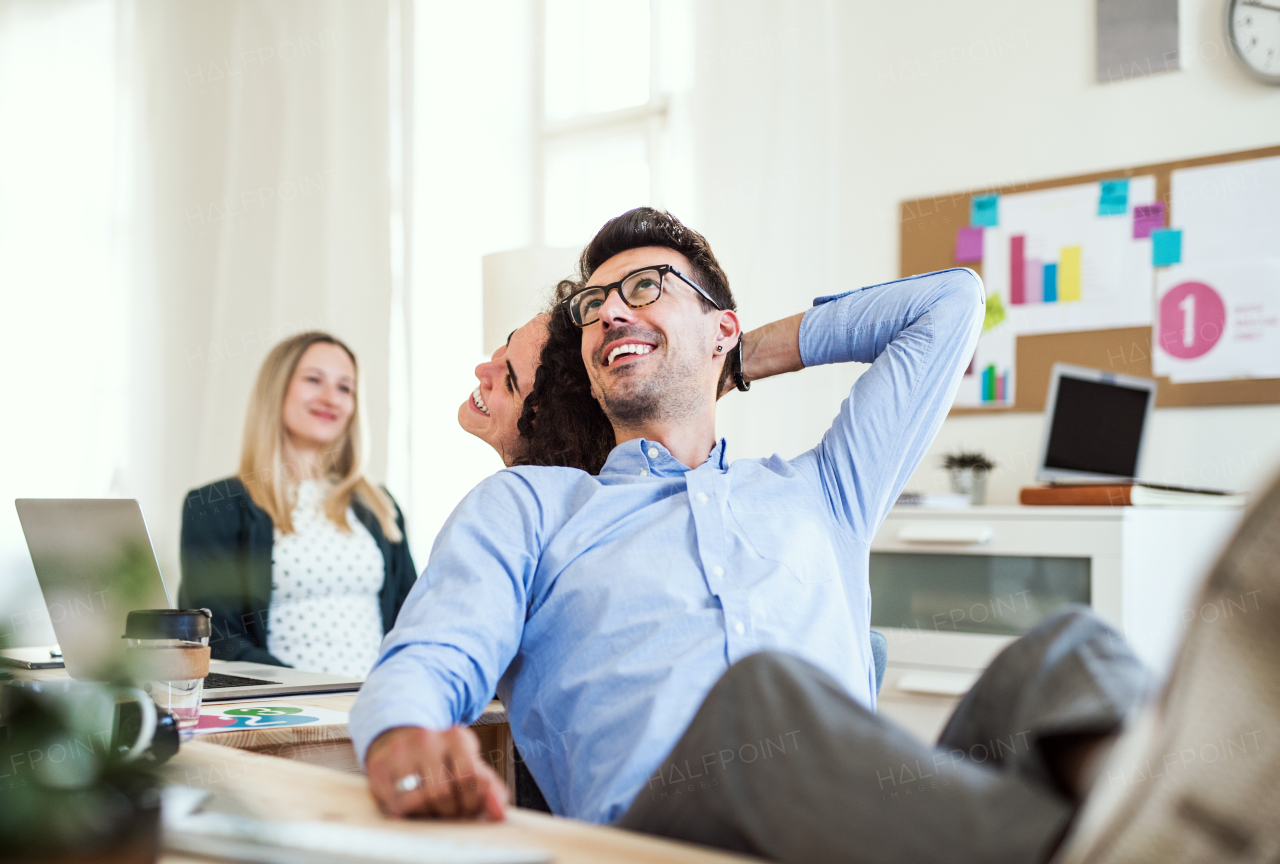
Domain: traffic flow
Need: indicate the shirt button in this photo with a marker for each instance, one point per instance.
(739, 629)
(644, 472)
(653, 452)
(702, 498)
(718, 570)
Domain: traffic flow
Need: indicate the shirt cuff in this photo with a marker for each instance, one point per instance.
(399, 692)
(829, 331)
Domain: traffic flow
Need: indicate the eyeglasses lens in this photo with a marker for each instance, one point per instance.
(638, 289)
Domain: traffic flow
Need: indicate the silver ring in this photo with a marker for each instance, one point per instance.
(409, 782)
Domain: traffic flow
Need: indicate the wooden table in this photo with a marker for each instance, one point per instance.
(284, 789)
(330, 746)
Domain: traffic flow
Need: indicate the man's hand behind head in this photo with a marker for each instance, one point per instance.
(450, 778)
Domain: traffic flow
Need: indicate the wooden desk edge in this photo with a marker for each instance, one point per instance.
(295, 791)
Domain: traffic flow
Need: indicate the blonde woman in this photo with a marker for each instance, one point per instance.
(303, 561)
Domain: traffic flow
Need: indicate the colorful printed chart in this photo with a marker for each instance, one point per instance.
(989, 380)
(1034, 281)
(265, 715)
(1064, 259)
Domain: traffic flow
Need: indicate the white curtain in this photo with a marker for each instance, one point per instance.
(182, 185)
(64, 324)
(264, 151)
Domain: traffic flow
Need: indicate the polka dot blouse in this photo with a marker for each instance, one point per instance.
(325, 615)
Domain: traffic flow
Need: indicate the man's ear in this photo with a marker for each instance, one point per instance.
(728, 332)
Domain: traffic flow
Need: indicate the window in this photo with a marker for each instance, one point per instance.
(608, 77)
(64, 333)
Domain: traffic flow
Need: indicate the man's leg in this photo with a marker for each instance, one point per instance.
(1066, 684)
(780, 762)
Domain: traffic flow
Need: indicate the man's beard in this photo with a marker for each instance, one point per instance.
(670, 392)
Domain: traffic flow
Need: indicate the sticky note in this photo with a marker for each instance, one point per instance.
(1147, 218)
(994, 315)
(969, 244)
(984, 210)
(1069, 274)
(1113, 199)
(1051, 283)
(1166, 247)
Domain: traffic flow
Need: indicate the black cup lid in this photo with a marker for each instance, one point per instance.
(191, 625)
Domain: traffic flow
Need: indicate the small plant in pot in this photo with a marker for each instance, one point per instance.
(969, 474)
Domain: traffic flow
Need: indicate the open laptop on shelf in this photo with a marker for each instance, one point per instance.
(1096, 426)
(95, 563)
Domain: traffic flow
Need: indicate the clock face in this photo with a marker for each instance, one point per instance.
(1253, 28)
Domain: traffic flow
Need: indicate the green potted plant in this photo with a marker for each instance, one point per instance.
(969, 474)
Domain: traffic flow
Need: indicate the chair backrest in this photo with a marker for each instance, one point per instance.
(879, 655)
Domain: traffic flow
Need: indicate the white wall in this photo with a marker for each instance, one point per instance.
(473, 154)
(939, 97)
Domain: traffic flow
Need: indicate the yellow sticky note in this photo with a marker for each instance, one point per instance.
(1069, 274)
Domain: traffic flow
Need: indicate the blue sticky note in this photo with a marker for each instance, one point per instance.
(984, 210)
(1113, 199)
(1166, 247)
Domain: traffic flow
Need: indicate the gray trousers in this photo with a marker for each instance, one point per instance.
(780, 762)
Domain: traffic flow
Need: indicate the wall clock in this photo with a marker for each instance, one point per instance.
(1253, 32)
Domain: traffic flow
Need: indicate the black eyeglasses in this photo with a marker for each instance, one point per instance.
(638, 288)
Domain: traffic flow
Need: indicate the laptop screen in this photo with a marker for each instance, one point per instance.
(1097, 427)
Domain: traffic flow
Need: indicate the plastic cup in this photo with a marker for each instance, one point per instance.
(168, 656)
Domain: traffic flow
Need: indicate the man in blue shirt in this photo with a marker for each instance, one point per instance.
(603, 610)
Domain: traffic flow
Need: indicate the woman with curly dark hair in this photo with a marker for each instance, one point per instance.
(559, 422)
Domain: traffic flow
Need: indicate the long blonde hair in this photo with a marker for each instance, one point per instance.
(265, 474)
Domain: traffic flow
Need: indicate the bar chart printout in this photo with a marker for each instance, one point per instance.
(994, 385)
(1070, 258)
(1032, 280)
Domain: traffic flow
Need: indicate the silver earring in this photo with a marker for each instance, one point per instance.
(719, 348)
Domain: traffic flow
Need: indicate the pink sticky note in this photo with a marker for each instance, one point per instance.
(969, 244)
(1147, 218)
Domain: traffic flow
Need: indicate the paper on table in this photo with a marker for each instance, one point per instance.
(266, 715)
(239, 838)
(1104, 276)
(1218, 321)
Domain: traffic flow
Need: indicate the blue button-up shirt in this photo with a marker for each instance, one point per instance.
(603, 609)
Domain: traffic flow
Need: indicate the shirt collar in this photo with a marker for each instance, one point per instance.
(640, 457)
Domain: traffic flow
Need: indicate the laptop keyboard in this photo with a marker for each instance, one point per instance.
(214, 679)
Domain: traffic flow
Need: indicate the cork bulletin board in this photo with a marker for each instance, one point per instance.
(927, 241)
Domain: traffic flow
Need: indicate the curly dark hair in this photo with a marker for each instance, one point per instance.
(570, 429)
(561, 422)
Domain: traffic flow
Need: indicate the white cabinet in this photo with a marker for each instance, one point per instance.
(950, 588)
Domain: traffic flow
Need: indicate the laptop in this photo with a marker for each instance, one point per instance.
(95, 563)
(1096, 424)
